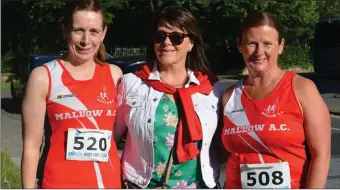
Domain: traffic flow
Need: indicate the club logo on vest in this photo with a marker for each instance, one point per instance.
(272, 109)
(104, 97)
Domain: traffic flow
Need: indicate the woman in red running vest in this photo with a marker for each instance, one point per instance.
(78, 95)
(276, 125)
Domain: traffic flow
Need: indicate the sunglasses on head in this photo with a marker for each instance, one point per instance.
(176, 38)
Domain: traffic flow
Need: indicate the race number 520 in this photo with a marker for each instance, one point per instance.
(88, 144)
(93, 145)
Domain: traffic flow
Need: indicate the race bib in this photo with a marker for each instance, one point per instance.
(88, 144)
(271, 175)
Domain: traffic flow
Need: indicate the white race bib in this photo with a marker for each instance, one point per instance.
(88, 144)
(270, 175)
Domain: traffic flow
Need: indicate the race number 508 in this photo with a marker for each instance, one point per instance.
(79, 143)
(264, 178)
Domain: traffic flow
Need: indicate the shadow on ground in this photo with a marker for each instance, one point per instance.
(11, 105)
(334, 113)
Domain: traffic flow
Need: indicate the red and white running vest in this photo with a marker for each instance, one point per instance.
(265, 131)
(89, 104)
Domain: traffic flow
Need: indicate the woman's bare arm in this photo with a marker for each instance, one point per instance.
(116, 73)
(317, 129)
(33, 115)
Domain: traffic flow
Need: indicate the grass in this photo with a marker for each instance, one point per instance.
(16, 85)
(10, 173)
(5, 85)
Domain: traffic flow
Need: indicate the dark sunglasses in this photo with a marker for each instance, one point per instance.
(176, 38)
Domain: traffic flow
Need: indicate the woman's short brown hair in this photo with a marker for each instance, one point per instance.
(255, 19)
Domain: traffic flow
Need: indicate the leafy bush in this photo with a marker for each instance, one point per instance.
(295, 56)
(10, 174)
(6, 62)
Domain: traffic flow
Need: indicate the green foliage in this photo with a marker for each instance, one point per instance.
(7, 62)
(18, 85)
(37, 25)
(5, 85)
(329, 9)
(295, 55)
(12, 63)
(10, 174)
(299, 18)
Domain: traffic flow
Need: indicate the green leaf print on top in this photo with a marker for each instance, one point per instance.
(185, 175)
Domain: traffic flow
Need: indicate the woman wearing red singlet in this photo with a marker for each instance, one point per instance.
(276, 125)
(79, 96)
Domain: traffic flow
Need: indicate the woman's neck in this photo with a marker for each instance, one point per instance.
(265, 79)
(80, 70)
(174, 70)
(79, 64)
(172, 74)
(262, 85)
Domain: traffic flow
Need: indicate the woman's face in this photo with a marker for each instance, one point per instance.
(260, 48)
(169, 53)
(86, 35)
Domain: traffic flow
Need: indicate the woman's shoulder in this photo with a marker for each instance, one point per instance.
(302, 85)
(116, 73)
(115, 69)
(305, 89)
(38, 81)
(39, 73)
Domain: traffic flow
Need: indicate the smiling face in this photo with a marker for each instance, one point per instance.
(168, 53)
(260, 48)
(85, 36)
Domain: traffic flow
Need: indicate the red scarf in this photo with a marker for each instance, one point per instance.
(189, 129)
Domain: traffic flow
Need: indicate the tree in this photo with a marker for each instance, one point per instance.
(328, 9)
(37, 25)
(299, 18)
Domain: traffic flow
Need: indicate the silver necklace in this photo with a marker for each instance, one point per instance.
(175, 85)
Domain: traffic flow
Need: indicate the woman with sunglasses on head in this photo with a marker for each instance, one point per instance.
(276, 125)
(79, 95)
(170, 108)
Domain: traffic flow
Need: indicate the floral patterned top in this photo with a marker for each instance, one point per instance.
(184, 175)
